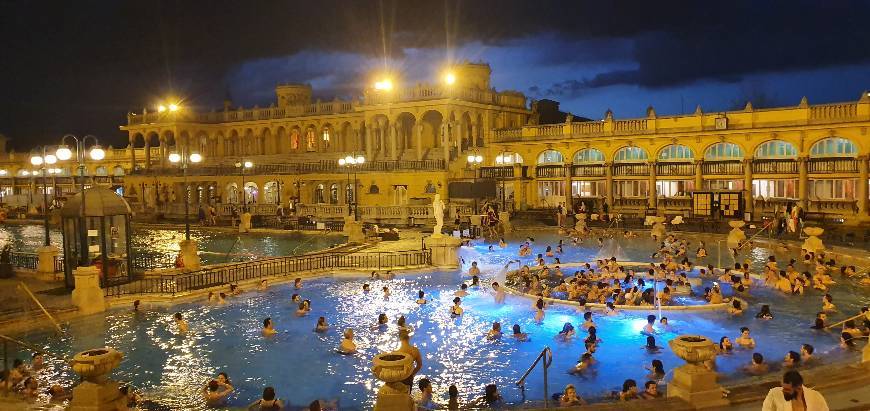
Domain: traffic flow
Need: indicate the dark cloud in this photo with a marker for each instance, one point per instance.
(79, 66)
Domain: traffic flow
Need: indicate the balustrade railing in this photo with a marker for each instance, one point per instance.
(588, 170)
(630, 202)
(832, 165)
(323, 166)
(497, 172)
(675, 202)
(639, 169)
(30, 261)
(256, 113)
(675, 169)
(786, 166)
(278, 266)
(722, 167)
(555, 171)
(834, 111)
(587, 127)
(430, 92)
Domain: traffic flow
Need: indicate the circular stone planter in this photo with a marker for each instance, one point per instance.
(94, 365)
(814, 231)
(392, 366)
(736, 223)
(694, 349)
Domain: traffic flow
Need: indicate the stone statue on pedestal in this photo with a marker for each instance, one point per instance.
(438, 212)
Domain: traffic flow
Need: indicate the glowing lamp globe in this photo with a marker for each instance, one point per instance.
(97, 153)
(63, 153)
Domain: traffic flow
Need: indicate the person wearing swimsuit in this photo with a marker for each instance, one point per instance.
(269, 402)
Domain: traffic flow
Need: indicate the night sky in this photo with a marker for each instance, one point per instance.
(79, 66)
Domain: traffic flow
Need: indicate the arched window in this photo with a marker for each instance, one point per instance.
(294, 139)
(310, 140)
(506, 159)
(118, 171)
(776, 149)
(333, 194)
(629, 154)
(549, 157)
(834, 147)
(723, 151)
(101, 171)
(588, 155)
(318, 194)
(348, 194)
(676, 152)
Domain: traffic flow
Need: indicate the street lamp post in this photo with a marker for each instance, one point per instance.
(43, 162)
(353, 161)
(474, 162)
(185, 159)
(242, 166)
(96, 153)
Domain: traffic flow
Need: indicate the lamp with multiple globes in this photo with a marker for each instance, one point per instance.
(176, 158)
(352, 161)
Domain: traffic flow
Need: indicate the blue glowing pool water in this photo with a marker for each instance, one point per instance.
(162, 243)
(303, 366)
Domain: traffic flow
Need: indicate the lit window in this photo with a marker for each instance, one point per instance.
(630, 154)
(588, 155)
(550, 157)
(723, 151)
(776, 149)
(834, 147)
(676, 152)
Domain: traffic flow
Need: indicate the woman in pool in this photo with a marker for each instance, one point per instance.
(725, 346)
(322, 326)
(656, 370)
(570, 398)
(539, 311)
(610, 309)
(347, 346)
(629, 390)
(297, 283)
(269, 402)
(495, 332)
(304, 308)
(651, 346)
(382, 322)
(182, 325)
(456, 310)
(828, 303)
(421, 297)
(386, 292)
(744, 340)
(296, 298)
(583, 365)
(215, 393)
(499, 293)
(269, 328)
(765, 313)
(366, 288)
(593, 337)
(566, 333)
(518, 334)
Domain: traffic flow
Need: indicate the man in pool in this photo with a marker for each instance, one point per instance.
(474, 270)
(648, 329)
(181, 323)
(793, 395)
(268, 327)
(462, 291)
(406, 347)
(807, 353)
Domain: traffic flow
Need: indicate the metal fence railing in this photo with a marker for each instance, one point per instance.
(30, 261)
(270, 267)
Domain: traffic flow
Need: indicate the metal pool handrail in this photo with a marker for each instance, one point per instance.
(547, 355)
(7, 339)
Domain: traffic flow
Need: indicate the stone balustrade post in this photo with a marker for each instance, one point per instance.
(803, 184)
(651, 186)
(749, 201)
(862, 186)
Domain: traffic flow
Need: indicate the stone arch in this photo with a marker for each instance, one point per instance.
(295, 140)
(281, 144)
(775, 148)
(326, 138)
(309, 138)
(265, 142)
(480, 126)
(118, 170)
(431, 121)
(249, 144)
(232, 193)
(675, 152)
(464, 131)
(550, 156)
(252, 192)
(629, 154)
(232, 144)
(834, 146)
(406, 128)
(136, 138)
(723, 150)
(587, 156)
(271, 194)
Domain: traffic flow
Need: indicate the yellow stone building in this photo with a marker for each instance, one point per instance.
(416, 141)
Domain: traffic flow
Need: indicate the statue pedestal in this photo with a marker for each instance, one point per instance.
(87, 295)
(190, 254)
(697, 385)
(89, 396)
(504, 218)
(813, 243)
(443, 250)
(736, 235)
(47, 256)
(353, 230)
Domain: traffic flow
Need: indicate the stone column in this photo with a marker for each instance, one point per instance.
(132, 155)
(862, 187)
(803, 183)
(47, 255)
(748, 200)
(87, 294)
(394, 141)
(474, 130)
(418, 140)
(569, 195)
(147, 153)
(651, 186)
(445, 143)
(608, 183)
(162, 151)
(699, 174)
(369, 142)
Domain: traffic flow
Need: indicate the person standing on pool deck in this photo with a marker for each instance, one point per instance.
(792, 395)
(406, 347)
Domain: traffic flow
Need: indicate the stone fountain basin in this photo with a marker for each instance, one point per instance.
(694, 349)
(392, 366)
(97, 362)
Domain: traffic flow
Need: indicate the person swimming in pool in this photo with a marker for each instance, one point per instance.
(648, 329)
(382, 323)
(296, 298)
(567, 332)
(347, 346)
(322, 325)
(421, 298)
(474, 270)
(539, 311)
(499, 293)
(495, 332)
(456, 310)
(651, 346)
(297, 283)
(268, 327)
(744, 340)
(518, 334)
(182, 325)
(304, 308)
(463, 291)
(366, 288)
